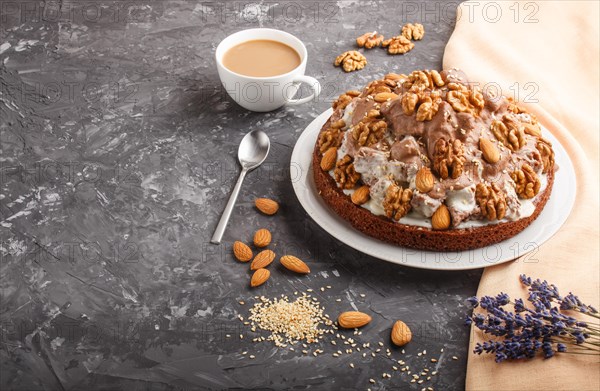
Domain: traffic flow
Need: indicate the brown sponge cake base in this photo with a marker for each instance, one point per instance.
(418, 237)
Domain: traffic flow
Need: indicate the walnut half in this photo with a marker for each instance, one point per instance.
(491, 201)
(397, 201)
(351, 61)
(415, 31)
(448, 159)
(370, 130)
(509, 132)
(343, 100)
(398, 45)
(369, 40)
(527, 183)
(345, 174)
(547, 153)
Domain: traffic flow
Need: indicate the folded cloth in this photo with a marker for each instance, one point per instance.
(551, 49)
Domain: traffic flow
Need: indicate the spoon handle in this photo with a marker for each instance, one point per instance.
(220, 230)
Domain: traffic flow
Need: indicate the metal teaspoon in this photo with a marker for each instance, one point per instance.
(253, 150)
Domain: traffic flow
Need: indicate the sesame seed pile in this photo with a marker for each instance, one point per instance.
(290, 321)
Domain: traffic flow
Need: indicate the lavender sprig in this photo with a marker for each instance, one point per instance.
(525, 332)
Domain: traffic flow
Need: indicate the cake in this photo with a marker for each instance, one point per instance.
(433, 162)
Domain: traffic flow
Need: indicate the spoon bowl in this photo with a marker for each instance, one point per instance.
(253, 150)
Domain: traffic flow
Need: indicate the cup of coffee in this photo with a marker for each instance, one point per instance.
(262, 69)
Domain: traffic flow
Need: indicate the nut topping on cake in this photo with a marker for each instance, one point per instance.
(441, 218)
(397, 201)
(344, 173)
(489, 151)
(491, 201)
(448, 159)
(545, 148)
(527, 183)
(343, 100)
(361, 195)
(328, 159)
(424, 180)
(509, 132)
(369, 131)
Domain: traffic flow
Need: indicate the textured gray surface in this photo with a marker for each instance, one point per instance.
(118, 154)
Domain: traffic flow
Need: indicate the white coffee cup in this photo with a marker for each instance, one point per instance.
(265, 93)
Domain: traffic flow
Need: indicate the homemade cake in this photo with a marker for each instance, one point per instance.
(430, 161)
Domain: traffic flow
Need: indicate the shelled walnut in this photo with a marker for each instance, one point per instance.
(545, 148)
(397, 201)
(409, 102)
(458, 100)
(527, 183)
(377, 87)
(491, 200)
(369, 40)
(448, 159)
(343, 100)
(415, 31)
(509, 132)
(426, 110)
(345, 174)
(332, 137)
(351, 61)
(398, 45)
(370, 130)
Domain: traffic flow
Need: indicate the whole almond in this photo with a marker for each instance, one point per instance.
(424, 180)
(441, 218)
(294, 264)
(266, 206)
(353, 319)
(533, 130)
(242, 252)
(329, 158)
(259, 277)
(262, 238)
(262, 259)
(401, 334)
(489, 151)
(361, 195)
(384, 97)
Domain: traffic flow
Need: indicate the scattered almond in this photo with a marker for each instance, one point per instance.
(361, 195)
(294, 264)
(262, 238)
(242, 252)
(441, 218)
(262, 259)
(259, 277)
(353, 319)
(489, 151)
(384, 97)
(401, 334)
(266, 206)
(329, 158)
(424, 180)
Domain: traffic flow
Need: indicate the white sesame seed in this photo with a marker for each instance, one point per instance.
(351, 365)
(252, 356)
(454, 358)
(372, 381)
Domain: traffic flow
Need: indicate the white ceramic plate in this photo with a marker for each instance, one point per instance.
(526, 243)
